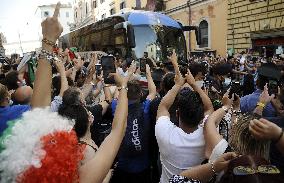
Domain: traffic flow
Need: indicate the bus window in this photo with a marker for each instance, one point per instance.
(119, 40)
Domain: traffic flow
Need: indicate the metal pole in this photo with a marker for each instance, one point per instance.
(189, 23)
(20, 42)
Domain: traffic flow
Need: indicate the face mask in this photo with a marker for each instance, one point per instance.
(227, 82)
(200, 83)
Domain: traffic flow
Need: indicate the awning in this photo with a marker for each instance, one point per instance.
(268, 41)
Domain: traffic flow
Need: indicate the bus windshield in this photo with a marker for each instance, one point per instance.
(158, 41)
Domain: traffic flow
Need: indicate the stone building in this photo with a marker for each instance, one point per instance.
(209, 15)
(257, 26)
(90, 11)
(65, 14)
(2, 41)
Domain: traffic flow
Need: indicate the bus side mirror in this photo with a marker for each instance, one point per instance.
(196, 30)
(129, 32)
(131, 36)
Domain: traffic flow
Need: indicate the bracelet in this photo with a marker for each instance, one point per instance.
(48, 42)
(50, 57)
(280, 136)
(260, 104)
(212, 168)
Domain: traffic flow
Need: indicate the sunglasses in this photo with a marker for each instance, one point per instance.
(263, 169)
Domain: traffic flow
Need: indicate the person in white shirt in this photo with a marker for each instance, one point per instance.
(182, 147)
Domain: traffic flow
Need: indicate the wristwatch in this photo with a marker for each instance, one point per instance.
(123, 87)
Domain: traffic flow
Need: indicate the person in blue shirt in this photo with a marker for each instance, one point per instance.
(134, 157)
(7, 112)
(266, 73)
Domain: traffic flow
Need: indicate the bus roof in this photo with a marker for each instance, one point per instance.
(139, 17)
(136, 18)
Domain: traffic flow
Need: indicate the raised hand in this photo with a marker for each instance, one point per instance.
(265, 98)
(226, 101)
(59, 66)
(264, 129)
(173, 58)
(148, 70)
(179, 80)
(51, 28)
(223, 161)
(132, 69)
(189, 78)
(78, 64)
(236, 102)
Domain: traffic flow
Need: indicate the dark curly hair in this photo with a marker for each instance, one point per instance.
(190, 107)
(134, 90)
(195, 68)
(71, 96)
(77, 113)
(11, 80)
(168, 82)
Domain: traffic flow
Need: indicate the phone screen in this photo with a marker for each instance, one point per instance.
(143, 65)
(98, 69)
(272, 87)
(235, 89)
(108, 66)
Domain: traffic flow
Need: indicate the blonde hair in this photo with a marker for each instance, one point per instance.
(242, 142)
(3, 93)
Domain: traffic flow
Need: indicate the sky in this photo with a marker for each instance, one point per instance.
(18, 17)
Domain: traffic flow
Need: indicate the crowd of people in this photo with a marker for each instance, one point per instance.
(213, 119)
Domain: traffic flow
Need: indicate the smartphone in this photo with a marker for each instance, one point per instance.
(98, 69)
(108, 66)
(143, 65)
(235, 89)
(272, 87)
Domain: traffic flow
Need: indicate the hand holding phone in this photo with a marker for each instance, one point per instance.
(108, 66)
(143, 65)
(98, 69)
(235, 89)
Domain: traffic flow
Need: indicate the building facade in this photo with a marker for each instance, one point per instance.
(89, 11)
(257, 26)
(2, 41)
(65, 15)
(209, 15)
